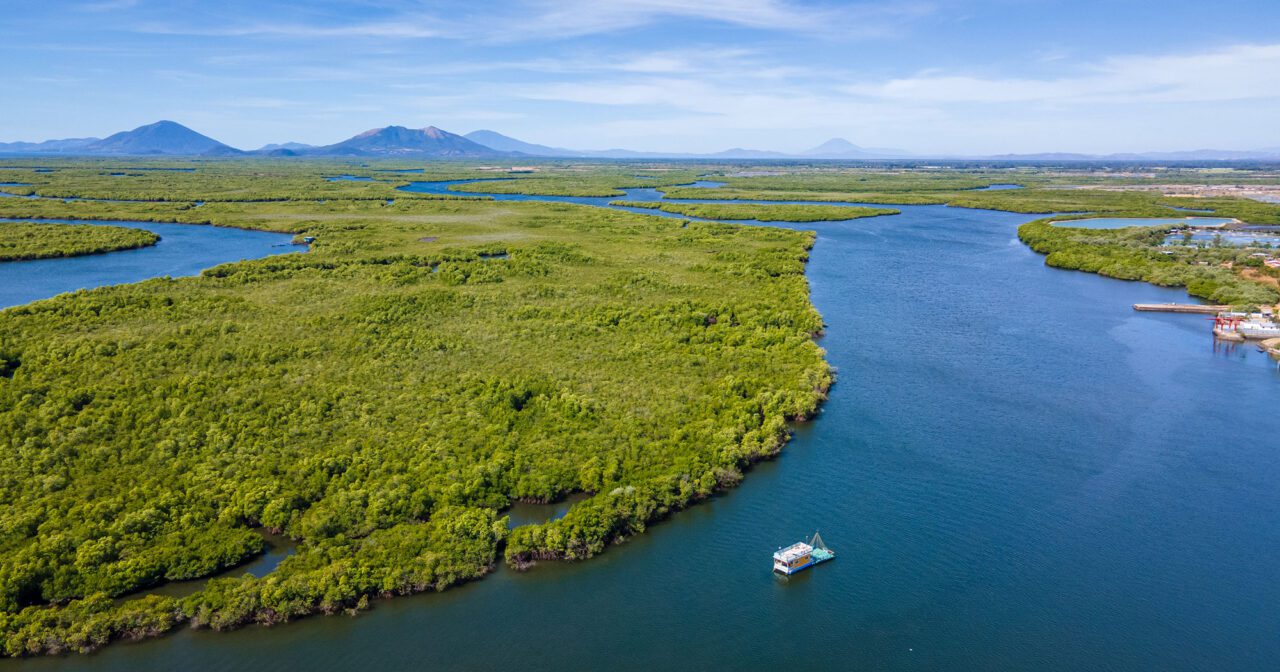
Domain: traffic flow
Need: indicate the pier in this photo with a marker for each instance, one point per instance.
(1180, 308)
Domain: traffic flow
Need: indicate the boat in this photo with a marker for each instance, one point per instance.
(801, 555)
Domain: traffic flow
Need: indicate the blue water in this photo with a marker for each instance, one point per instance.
(1017, 471)
(278, 548)
(5, 194)
(998, 187)
(184, 249)
(1231, 238)
(1122, 222)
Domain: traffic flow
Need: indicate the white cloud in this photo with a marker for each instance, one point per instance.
(420, 27)
(107, 5)
(1234, 73)
(544, 20)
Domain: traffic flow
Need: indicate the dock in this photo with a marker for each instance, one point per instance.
(1180, 308)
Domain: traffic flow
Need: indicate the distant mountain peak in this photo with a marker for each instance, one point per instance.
(504, 143)
(403, 141)
(161, 137)
(294, 146)
(839, 148)
(834, 145)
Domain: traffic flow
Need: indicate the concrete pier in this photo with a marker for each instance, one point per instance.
(1180, 308)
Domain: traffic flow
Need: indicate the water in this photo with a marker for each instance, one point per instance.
(278, 548)
(5, 194)
(1122, 222)
(1230, 238)
(998, 187)
(1017, 471)
(524, 513)
(184, 249)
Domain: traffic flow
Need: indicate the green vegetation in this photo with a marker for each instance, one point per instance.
(1137, 253)
(763, 213)
(380, 400)
(20, 240)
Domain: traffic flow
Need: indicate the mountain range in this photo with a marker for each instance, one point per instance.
(169, 138)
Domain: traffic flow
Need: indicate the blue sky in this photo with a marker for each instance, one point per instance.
(931, 76)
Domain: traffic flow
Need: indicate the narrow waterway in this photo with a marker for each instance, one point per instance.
(183, 249)
(1017, 472)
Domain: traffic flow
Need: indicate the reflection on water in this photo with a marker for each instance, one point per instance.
(525, 513)
(278, 548)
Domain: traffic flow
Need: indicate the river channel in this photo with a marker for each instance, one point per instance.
(1016, 470)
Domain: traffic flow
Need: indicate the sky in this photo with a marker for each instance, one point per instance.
(927, 76)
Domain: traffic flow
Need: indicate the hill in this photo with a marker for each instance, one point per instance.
(162, 137)
(401, 141)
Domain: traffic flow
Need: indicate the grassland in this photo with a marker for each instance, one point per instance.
(20, 241)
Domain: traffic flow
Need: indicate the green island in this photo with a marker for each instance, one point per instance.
(763, 213)
(382, 399)
(22, 240)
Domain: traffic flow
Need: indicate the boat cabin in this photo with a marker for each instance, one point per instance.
(793, 558)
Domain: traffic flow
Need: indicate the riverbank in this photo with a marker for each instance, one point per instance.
(1139, 253)
(25, 241)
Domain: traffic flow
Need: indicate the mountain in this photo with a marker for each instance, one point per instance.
(1202, 155)
(503, 143)
(740, 153)
(168, 138)
(162, 137)
(292, 146)
(1198, 155)
(839, 148)
(401, 141)
(1045, 156)
(836, 148)
(46, 147)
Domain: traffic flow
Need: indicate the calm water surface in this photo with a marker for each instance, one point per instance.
(1017, 471)
(1122, 222)
(184, 249)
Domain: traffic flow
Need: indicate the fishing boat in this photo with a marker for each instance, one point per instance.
(801, 555)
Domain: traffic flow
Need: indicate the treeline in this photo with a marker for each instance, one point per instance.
(1138, 253)
(20, 240)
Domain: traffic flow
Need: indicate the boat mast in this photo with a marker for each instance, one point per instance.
(816, 542)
